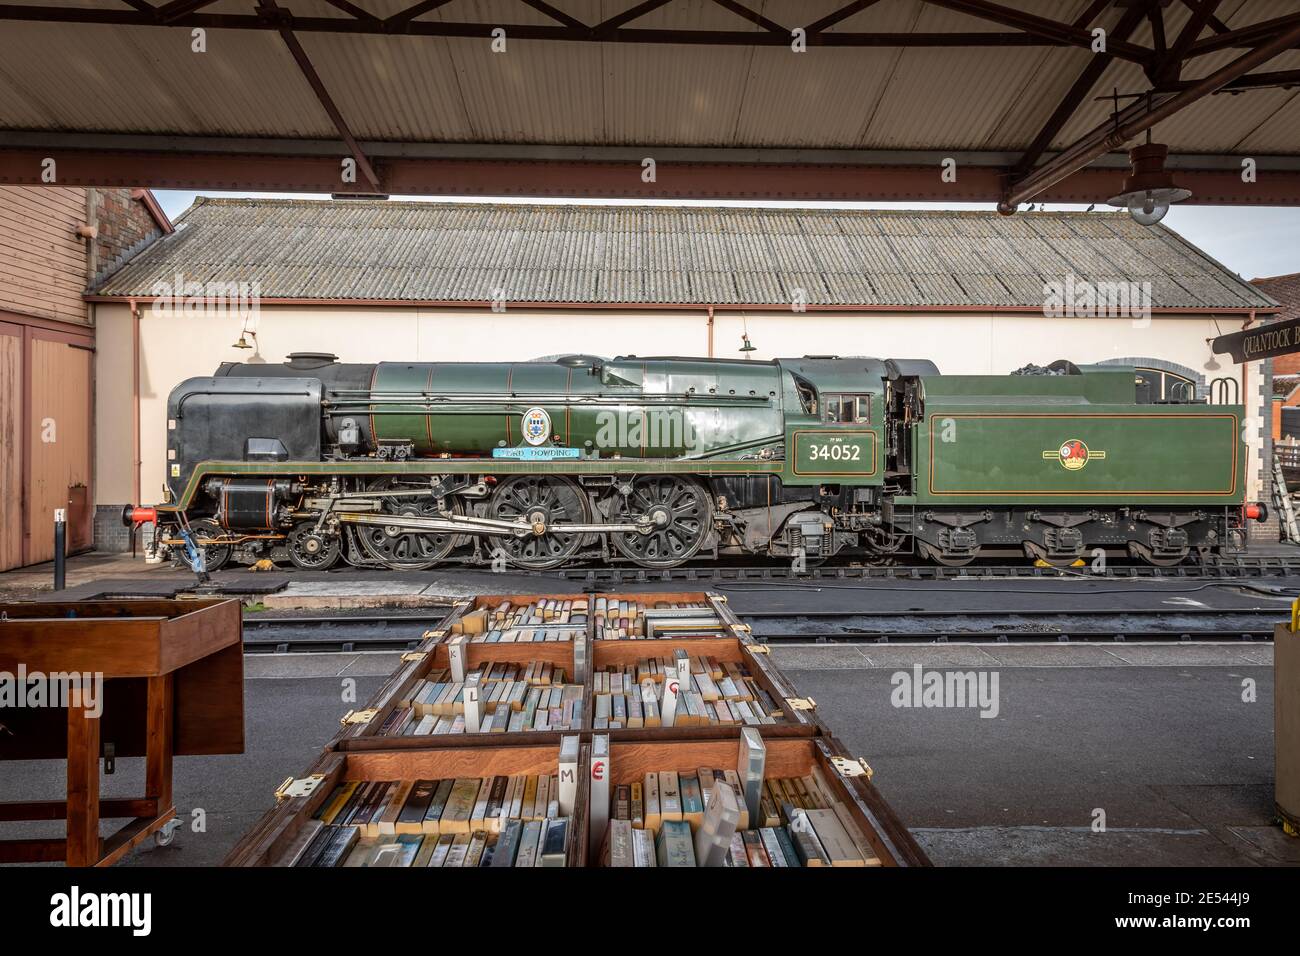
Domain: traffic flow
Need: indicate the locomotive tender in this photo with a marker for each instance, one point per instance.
(655, 461)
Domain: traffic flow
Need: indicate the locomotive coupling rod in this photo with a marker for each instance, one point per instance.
(491, 526)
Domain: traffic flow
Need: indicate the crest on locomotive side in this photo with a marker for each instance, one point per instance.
(536, 426)
(1073, 454)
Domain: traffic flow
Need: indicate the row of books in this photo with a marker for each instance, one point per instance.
(547, 619)
(701, 819)
(528, 635)
(657, 705)
(520, 843)
(503, 707)
(686, 691)
(676, 845)
(620, 620)
(459, 805)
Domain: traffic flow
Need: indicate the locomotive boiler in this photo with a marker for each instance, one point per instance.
(655, 461)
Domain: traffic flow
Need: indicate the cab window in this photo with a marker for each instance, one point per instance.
(848, 409)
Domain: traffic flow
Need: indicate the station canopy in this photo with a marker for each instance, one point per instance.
(760, 99)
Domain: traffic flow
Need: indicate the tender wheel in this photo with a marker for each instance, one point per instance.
(407, 550)
(1141, 551)
(215, 556)
(1036, 553)
(311, 551)
(947, 560)
(681, 511)
(539, 501)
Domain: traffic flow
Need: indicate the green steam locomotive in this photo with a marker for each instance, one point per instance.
(657, 461)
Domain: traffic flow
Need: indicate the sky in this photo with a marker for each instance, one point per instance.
(1252, 241)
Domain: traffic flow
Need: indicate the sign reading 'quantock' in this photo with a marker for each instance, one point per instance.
(1281, 338)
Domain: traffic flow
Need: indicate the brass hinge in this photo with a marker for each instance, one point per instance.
(410, 656)
(436, 632)
(853, 767)
(742, 628)
(801, 703)
(759, 649)
(357, 717)
(720, 598)
(298, 788)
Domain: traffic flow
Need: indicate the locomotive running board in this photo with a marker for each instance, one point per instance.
(490, 526)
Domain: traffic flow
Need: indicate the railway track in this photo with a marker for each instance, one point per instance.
(396, 632)
(1092, 625)
(1218, 568)
(320, 634)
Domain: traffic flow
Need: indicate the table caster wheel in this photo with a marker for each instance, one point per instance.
(164, 836)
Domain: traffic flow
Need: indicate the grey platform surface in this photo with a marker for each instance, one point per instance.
(1158, 737)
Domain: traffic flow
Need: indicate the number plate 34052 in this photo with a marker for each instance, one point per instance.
(828, 452)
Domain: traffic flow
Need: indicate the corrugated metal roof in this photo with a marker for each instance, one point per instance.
(473, 252)
(456, 90)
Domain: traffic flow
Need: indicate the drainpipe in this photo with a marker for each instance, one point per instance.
(135, 412)
(710, 331)
(1245, 399)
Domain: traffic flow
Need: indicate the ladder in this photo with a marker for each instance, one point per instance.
(1282, 501)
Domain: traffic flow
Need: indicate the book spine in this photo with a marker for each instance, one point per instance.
(568, 792)
(713, 838)
(598, 803)
(674, 846)
(618, 844)
(554, 843)
(750, 768)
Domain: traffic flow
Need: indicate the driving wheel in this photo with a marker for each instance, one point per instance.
(680, 514)
(403, 550)
(541, 501)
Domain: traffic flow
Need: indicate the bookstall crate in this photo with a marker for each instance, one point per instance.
(883, 838)
(798, 744)
(732, 644)
(272, 840)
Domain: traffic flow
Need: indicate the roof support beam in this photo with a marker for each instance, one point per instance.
(1140, 118)
(353, 9)
(1077, 94)
(1041, 27)
(170, 12)
(1247, 36)
(555, 14)
(569, 179)
(843, 13)
(740, 10)
(281, 15)
(405, 23)
(403, 17)
(1172, 65)
(1217, 25)
(1251, 81)
(627, 16)
(1082, 21)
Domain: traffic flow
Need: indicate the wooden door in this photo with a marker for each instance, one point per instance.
(58, 441)
(11, 437)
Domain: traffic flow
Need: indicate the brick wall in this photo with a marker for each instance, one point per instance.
(125, 227)
(112, 535)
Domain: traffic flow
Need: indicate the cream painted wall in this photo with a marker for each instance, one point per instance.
(176, 347)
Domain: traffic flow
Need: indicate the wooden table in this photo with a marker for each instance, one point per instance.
(173, 683)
